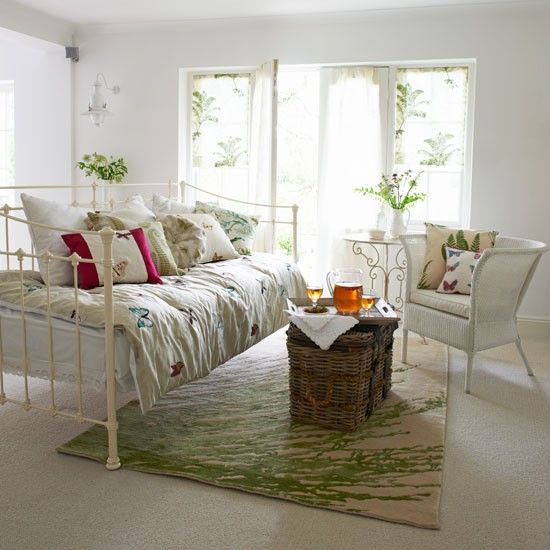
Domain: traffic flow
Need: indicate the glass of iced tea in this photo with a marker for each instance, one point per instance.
(314, 292)
(368, 300)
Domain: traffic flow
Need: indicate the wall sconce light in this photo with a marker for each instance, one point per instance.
(97, 108)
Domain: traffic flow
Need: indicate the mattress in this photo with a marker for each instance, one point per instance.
(92, 342)
(166, 334)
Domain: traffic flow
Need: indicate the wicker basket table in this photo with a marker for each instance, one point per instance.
(340, 387)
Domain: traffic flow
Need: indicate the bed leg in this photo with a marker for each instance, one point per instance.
(113, 461)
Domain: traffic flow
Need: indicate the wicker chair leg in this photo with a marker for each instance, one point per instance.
(524, 357)
(469, 365)
(404, 344)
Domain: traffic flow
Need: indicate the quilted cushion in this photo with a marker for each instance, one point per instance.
(455, 304)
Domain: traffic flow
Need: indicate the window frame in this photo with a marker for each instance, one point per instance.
(185, 164)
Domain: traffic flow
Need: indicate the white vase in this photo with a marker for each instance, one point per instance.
(397, 225)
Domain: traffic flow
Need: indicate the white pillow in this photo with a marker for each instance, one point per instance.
(164, 205)
(218, 245)
(133, 209)
(52, 213)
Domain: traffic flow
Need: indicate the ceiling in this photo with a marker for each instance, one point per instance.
(133, 11)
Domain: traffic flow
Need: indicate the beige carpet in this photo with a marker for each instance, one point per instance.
(495, 483)
(233, 430)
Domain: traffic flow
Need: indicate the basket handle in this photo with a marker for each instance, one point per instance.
(328, 396)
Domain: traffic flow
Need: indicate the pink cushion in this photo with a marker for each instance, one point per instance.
(131, 255)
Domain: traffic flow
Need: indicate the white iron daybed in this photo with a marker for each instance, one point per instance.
(185, 327)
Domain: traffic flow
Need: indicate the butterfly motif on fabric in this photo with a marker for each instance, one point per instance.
(232, 291)
(216, 257)
(190, 314)
(452, 267)
(290, 267)
(74, 316)
(263, 288)
(283, 292)
(219, 322)
(119, 269)
(176, 369)
(207, 226)
(126, 235)
(143, 314)
(472, 267)
(452, 252)
(32, 287)
(450, 287)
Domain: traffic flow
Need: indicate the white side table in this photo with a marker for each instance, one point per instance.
(385, 258)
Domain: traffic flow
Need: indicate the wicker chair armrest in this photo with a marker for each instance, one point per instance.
(415, 250)
(499, 282)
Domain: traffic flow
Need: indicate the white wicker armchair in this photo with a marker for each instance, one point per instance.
(484, 320)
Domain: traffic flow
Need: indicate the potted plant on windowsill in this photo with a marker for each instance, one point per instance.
(104, 168)
(398, 192)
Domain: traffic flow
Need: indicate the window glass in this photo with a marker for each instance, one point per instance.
(220, 118)
(430, 128)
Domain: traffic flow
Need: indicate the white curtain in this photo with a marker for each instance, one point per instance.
(350, 156)
(263, 149)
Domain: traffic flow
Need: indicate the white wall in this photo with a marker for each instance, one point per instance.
(42, 79)
(512, 108)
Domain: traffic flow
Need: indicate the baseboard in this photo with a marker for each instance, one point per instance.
(534, 327)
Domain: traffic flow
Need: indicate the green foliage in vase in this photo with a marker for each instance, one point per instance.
(105, 168)
(204, 110)
(397, 190)
(231, 152)
(440, 150)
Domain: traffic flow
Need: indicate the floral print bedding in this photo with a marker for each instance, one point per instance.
(181, 330)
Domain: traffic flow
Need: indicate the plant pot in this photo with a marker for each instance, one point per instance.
(397, 225)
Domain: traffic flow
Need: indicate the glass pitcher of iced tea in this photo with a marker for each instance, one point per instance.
(346, 287)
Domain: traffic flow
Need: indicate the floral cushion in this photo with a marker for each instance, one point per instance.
(154, 234)
(239, 228)
(459, 271)
(438, 237)
(217, 243)
(186, 239)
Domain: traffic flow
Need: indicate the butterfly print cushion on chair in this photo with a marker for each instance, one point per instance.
(459, 271)
(438, 238)
(132, 258)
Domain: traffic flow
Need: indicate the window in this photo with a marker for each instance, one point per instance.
(220, 118)
(416, 118)
(430, 131)
(7, 141)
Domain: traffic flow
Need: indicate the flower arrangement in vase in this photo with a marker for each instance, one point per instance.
(105, 168)
(398, 192)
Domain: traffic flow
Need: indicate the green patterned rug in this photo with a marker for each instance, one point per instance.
(232, 429)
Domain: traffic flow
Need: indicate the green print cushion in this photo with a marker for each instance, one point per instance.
(154, 234)
(438, 237)
(239, 228)
(216, 244)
